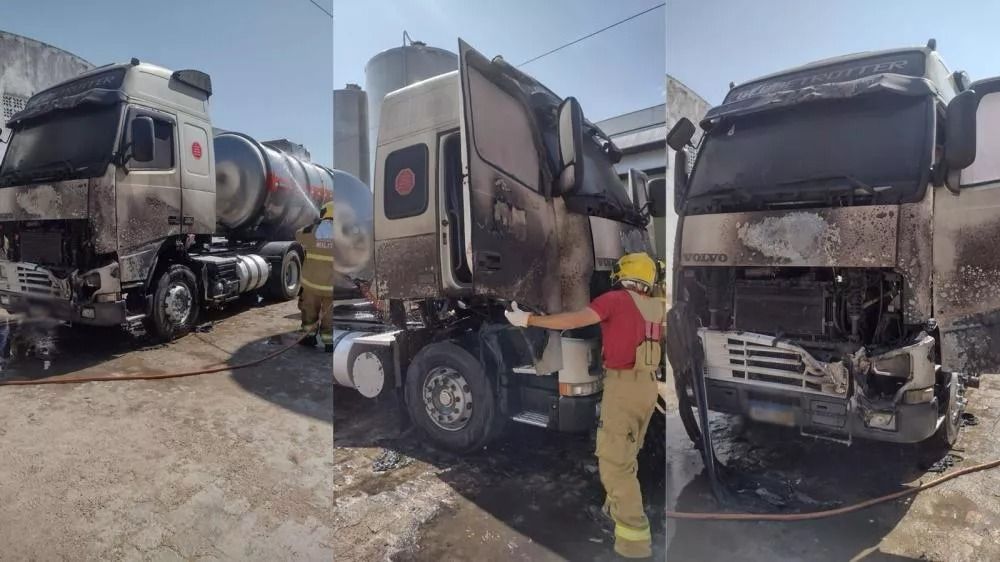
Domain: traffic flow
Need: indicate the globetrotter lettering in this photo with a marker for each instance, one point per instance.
(838, 75)
(706, 258)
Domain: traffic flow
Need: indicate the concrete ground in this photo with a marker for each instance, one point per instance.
(229, 466)
(523, 498)
(775, 470)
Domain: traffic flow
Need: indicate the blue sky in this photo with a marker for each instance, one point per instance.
(615, 72)
(270, 60)
(713, 42)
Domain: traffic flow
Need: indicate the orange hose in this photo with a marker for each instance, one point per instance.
(829, 512)
(152, 376)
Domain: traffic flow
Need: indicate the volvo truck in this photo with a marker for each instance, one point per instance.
(489, 188)
(120, 205)
(837, 257)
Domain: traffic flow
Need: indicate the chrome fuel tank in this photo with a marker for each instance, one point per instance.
(263, 192)
(353, 243)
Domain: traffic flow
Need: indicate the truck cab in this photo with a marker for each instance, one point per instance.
(830, 248)
(109, 212)
(488, 189)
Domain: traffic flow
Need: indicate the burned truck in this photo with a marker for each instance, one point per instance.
(489, 188)
(121, 206)
(837, 258)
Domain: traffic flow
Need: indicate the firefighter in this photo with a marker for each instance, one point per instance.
(632, 323)
(316, 299)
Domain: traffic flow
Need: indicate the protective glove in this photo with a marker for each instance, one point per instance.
(516, 316)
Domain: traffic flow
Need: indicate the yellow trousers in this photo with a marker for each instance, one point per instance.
(628, 404)
(317, 313)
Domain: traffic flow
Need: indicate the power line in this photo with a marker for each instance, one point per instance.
(632, 17)
(325, 11)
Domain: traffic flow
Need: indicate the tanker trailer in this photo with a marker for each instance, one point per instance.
(117, 207)
(353, 246)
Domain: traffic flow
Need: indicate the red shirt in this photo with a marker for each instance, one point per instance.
(622, 328)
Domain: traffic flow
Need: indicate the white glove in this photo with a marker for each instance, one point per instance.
(516, 316)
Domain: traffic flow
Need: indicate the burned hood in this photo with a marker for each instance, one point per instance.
(897, 84)
(60, 200)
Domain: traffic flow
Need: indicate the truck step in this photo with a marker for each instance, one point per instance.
(135, 326)
(536, 419)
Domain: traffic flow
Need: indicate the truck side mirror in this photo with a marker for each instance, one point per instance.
(960, 131)
(570, 146)
(657, 189)
(680, 179)
(680, 134)
(143, 149)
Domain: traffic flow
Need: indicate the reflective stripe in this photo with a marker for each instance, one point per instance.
(632, 534)
(316, 287)
(318, 257)
(326, 338)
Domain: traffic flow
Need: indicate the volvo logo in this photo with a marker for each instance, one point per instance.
(706, 258)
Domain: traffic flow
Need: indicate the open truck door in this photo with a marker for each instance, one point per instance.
(510, 219)
(967, 235)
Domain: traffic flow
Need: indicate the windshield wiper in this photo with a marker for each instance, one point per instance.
(59, 169)
(853, 181)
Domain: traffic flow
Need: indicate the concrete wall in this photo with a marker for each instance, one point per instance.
(27, 66)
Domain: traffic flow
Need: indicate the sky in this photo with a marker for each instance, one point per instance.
(713, 42)
(617, 71)
(270, 60)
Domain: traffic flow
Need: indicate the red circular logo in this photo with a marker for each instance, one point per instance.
(405, 181)
(196, 150)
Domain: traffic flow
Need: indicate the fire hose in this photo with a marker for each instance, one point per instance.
(153, 376)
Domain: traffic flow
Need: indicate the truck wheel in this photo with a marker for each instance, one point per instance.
(173, 304)
(947, 432)
(653, 455)
(450, 398)
(286, 280)
(687, 409)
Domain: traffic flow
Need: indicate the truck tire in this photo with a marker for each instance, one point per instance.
(947, 433)
(687, 409)
(173, 304)
(450, 398)
(286, 279)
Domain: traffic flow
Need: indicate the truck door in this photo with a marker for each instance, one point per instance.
(513, 246)
(967, 250)
(197, 177)
(148, 196)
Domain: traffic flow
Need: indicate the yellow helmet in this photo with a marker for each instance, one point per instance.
(326, 211)
(637, 267)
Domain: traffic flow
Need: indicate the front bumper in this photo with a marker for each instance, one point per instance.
(821, 415)
(774, 381)
(96, 314)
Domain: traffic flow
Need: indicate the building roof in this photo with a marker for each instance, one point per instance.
(638, 129)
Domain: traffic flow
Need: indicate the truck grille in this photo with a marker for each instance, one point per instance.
(763, 361)
(36, 283)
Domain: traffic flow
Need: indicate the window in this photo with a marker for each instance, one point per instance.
(163, 142)
(405, 182)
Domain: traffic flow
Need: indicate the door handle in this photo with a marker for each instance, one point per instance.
(488, 260)
(173, 220)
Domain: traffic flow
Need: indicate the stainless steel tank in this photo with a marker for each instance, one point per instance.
(350, 132)
(262, 192)
(354, 235)
(396, 68)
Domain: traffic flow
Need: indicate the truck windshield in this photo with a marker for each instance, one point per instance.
(63, 144)
(874, 147)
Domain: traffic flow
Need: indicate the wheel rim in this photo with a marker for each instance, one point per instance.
(177, 303)
(447, 399)
(292, 274)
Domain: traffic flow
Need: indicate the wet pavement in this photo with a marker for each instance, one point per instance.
(228, 466)
(525, 497)
(775, 470)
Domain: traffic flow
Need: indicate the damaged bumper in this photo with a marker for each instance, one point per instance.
(31, 289)
(777, 382)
